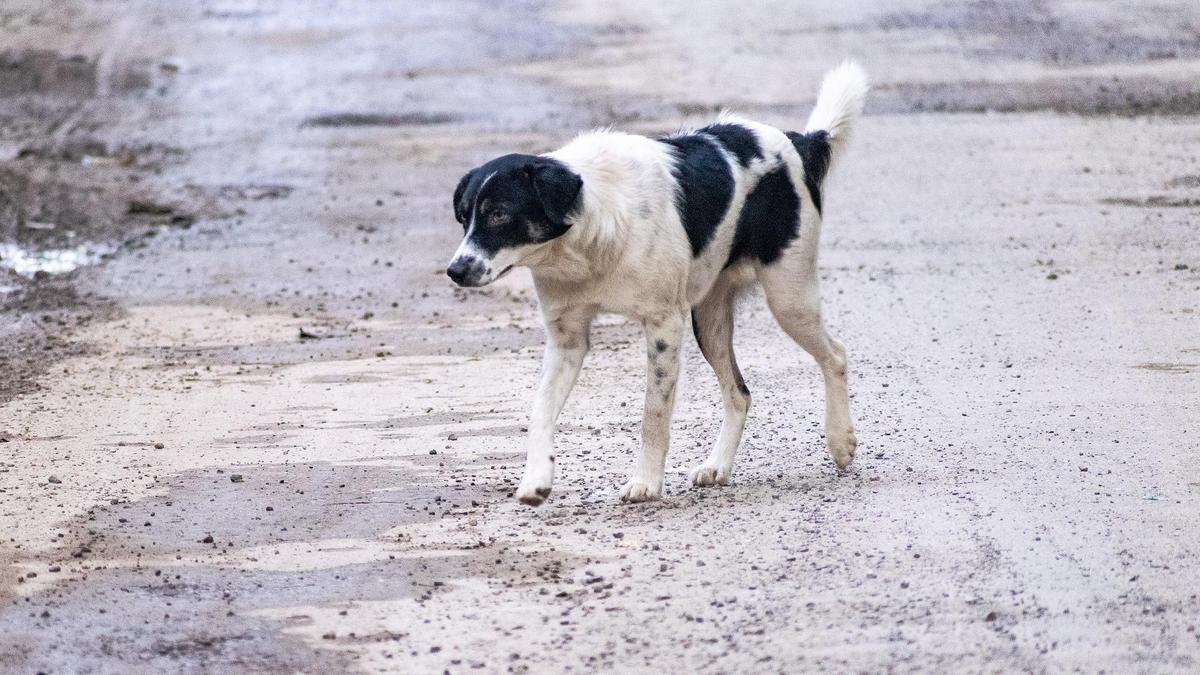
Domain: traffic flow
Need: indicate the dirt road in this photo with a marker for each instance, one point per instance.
(187, 484)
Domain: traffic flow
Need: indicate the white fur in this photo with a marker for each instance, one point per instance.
(843, 92)
(627, 253)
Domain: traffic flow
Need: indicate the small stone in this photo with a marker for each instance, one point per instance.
(991, 616)
(452, 437)
(1052, 276)
(1180, 267)
(208, 539)
(433, 452)
(329, 636)
(236, 478)
(54, 479)
(1083, 469)
(159, 446)
(54, 568)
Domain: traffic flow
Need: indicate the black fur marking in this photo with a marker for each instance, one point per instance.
(737, 139)
(515, 200)
(462, 207)
(661, 345)
(769, 220)
(815, 151)
(742, 385)
(705, 186)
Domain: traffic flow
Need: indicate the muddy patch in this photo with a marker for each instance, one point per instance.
(254, 192)
(359, 119)
(1033, 30)
(46, 72)
(1154, 202)
(39, 318)
(1126, 96)
(61, 204)
(197, 562)
(1189, 181)
(1173, 368)
(56, 216)
(69, 198)
(1058, 35)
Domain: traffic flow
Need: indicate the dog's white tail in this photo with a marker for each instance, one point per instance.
(839, 105)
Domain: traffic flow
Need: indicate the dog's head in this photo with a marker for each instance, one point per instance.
(509, 207)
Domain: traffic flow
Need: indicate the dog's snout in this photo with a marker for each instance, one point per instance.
(462, 269)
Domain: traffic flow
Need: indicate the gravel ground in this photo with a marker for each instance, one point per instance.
(267, 435)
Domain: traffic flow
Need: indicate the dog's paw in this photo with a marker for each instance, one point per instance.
(707, 475)
(639, 491)
(532, 493)
(842, 448)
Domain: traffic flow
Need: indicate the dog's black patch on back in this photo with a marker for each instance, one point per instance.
(737, 139)
(769, 220)
(815, 151)
(705, 186)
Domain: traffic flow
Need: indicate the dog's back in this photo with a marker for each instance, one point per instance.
(734, 194)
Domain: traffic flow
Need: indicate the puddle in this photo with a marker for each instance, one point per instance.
(27, 263)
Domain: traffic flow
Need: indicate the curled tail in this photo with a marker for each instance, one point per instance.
(824, 139)
(839, 105)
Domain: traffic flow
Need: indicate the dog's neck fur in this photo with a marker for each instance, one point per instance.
(593, 245)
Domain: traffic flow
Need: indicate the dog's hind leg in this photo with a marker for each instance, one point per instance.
(793, 294)
(566, 346)
(664, 338)
(712, 321)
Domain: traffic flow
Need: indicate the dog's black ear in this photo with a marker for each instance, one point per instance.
(557, 188)
(460, 207)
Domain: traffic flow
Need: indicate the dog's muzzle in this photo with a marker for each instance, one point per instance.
(466, 270)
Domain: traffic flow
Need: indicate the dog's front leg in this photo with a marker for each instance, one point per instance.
(566, 345)
(664, 338)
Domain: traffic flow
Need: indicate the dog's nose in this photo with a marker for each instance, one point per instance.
(459, 269)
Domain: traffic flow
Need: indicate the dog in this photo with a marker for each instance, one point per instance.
(660, 231)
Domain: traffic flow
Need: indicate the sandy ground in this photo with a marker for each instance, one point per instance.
(1010, 256)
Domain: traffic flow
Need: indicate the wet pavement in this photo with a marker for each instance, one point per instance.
(263, 433)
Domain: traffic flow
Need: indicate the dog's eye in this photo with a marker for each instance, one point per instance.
(498, 216)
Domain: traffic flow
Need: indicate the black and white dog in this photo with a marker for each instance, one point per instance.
(657, 229)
